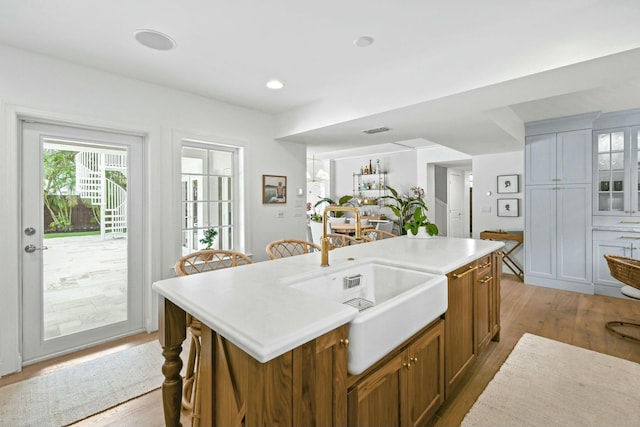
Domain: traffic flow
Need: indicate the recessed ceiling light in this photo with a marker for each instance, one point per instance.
(363, 41)
(155, 39)
(275, 84)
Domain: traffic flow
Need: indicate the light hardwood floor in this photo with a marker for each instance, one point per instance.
(560, 315)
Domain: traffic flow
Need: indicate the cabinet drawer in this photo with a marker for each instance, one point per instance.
(484, 267)
(617, 235)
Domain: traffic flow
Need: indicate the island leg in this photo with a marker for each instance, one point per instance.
(172, 333)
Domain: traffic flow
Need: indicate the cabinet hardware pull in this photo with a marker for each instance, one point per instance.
(629, 237)
(407, 365)
(486, 279)
(629, 222)
(345, 342)
(413, 359)
(555, 179)
(486, 265)
(459, 275)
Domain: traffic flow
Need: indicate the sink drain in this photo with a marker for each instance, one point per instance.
(360, 303)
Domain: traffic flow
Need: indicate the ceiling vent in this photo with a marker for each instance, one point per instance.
(376, 130)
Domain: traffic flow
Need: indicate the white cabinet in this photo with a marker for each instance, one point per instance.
(558, 247)
(624, 243)
(615, 168)
(558, 236)
(563, 157)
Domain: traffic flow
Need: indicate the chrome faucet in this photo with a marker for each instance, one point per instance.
(324, 242)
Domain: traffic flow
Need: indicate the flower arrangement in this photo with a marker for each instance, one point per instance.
(410, 211)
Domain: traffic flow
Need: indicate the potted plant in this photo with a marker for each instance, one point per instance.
(404, 206)
(209, 236)
(418, 224)
(342, 201)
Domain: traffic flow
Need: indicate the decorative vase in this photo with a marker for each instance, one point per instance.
(422, 234)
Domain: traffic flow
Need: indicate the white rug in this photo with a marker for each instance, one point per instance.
(74, 393)
(548, 383)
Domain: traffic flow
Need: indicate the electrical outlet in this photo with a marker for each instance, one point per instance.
(280, 214)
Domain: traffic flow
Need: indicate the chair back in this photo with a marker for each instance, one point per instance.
(378, 234)
(290, 247)
(338, 240)
(385, 226)
(209, 259)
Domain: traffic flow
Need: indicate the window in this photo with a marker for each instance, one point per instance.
(209, 195)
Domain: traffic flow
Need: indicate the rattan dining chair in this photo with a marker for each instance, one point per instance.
(378, 234)
(338, 240)
(290, 247)
(626, 270)
(199, 262)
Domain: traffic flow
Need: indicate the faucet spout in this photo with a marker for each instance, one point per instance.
(324, 242)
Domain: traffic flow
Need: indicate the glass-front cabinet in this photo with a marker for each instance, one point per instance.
(616, 180)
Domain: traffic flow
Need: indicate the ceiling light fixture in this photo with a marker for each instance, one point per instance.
(376, 130)
(363, 41)
(275, 84)
(154, 39)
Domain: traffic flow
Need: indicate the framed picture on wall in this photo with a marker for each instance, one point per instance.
(508, 207)
(274, 189)
(508, 184)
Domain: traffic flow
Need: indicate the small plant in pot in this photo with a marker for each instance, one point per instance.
(209, 236)
(419, 219)
(342, 201)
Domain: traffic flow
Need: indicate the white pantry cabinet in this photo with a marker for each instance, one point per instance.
(558, 241)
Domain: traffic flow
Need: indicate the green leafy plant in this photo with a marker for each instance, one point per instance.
(419, 219)
(209, 236)
(342, 201)
(403, 205)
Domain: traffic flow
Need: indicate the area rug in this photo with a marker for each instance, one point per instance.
(74, 393)
(548, 383)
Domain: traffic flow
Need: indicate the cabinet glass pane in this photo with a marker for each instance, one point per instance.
(617, 141)
(604, 143)
(617, 160)
(604, 161)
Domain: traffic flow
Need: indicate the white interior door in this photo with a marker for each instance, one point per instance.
(79, 288)
(455, 199)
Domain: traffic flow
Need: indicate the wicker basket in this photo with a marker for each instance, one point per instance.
(626, 270)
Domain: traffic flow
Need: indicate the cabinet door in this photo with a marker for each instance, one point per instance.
(540, 166)
(461, 348)
(634, 171)
(483, 302)
(425, 376)
(573, 153)
(495, 295)
(540, 231)
(376, 401)
(573, 233)
(611, 176)
(600, 266)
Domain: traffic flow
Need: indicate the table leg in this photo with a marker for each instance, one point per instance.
(506, 259)
(172, 333)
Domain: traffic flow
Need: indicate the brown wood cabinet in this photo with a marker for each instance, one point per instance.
(303, 387)
(406, 389)
(473, 316)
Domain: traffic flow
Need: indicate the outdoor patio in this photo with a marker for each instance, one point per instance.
(85, 283)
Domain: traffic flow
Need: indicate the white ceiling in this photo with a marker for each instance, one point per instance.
(461, 73)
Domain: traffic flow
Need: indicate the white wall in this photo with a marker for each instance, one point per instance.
(43, 87)
(400, 167)
(486, 169)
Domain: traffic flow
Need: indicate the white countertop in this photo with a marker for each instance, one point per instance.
(250, 306)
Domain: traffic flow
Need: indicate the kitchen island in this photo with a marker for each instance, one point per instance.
(254, 320)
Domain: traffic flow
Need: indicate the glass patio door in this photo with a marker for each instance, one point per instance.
(81, 238)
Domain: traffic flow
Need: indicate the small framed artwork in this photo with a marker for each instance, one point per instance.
(508, 207)
(508, 184)
(274, 189)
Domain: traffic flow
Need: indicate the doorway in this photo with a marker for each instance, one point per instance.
(81, 238)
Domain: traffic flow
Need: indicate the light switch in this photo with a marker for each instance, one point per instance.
(280, 214)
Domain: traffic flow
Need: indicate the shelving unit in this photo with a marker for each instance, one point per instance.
(368, 188)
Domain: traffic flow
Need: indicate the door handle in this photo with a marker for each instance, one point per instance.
(32, 248)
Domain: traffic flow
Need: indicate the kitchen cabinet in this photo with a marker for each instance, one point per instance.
(484, 279)
(305, 386)
(405, 390)
(496, 266)
(563, 157)
(558, 200)
(615, 169)
(624, 243)
(558, 236)
(369, 187)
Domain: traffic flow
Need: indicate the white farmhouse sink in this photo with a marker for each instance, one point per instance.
(395, 303)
